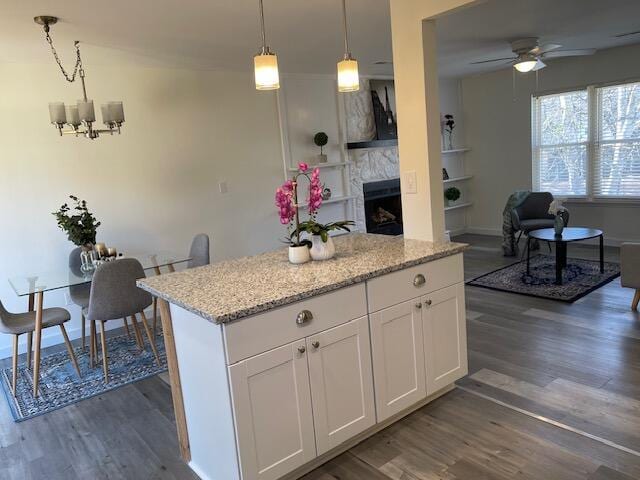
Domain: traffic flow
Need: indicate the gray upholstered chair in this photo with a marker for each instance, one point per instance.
(114, 295)
(199, 251)
(79, 294)
(18, 323)
(533, 214)
(630, 270)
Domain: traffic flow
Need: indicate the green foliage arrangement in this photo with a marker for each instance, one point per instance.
(314, 228)
(452, 194)
(77, 222)
(320, 139)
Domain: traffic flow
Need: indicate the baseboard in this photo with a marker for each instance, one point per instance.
(608, 241)
(492, 232)
(57, 339)
(454, 232)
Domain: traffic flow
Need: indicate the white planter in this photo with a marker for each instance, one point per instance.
(452, 203)
(322, 158)
(322, 250)
(299, 255)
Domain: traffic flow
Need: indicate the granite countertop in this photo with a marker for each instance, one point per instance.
(229, 290)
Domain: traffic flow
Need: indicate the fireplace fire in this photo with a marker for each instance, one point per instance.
(383, 207)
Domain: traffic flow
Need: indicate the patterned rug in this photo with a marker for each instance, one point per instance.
(579, 278)
(59, 382)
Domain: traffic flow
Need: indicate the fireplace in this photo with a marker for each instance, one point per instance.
(383, 207)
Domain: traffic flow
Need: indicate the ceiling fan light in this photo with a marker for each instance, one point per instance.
(348, 78)
(524, 66)
(266, 71)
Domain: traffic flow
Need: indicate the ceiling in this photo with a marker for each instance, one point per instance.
(224, 34)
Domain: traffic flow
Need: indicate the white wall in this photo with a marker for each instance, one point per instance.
(153, 187)
(498, 130)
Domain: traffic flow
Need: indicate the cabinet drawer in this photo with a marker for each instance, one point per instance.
(252, 335)
(398, 287)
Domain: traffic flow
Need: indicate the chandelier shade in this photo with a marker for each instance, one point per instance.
(266, 71)
(348, 77)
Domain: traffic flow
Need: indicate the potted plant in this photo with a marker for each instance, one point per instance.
(449, 125)
(452, 194)
(288, 207)
(321, 139)
(322, 246)
(78, 223)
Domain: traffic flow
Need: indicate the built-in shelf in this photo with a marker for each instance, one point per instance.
(321, 165)
(333, 200)
(458, 179)
(455, 207)
(372, 144)
(455, 150)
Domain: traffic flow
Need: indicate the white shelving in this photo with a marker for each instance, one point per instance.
(458, 179)
(333, 200)
(455, 207)
(455, 150)
(321, 165)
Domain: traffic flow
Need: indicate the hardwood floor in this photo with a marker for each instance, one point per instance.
(578, 365)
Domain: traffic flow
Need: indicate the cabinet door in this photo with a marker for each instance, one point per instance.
(272, 410)
(341, 383)
(445, 337)
(398, 358)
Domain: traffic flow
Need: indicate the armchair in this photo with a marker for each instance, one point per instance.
(630, 269)
(533, 214)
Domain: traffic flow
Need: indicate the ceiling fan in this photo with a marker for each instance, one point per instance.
(529, 54)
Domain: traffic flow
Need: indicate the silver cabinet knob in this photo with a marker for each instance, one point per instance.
(302, 349)
(315, 344)
(419, 280)
(303, 317)
(428, 303)
(418, 305)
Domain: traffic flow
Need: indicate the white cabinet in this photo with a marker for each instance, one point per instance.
(445, 337)
(341, 383)
(398, 357)
(272, 411)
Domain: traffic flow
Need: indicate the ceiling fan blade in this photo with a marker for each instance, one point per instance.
(493, 60)
(569, 53)
(539, 66)
(620, 35)
(547, 47)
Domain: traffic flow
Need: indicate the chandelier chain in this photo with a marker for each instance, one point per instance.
(78, 66)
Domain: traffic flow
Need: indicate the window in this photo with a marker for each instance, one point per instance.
(586, 143)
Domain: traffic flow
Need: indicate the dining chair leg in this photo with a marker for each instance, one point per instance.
(151, 338)
(92, 344)
(136, 329)
(72, 355)
(636, 300)
(83, 331)
(36, 354)
(14, 366)
(155, 315)
(29, 349)
(126, 326)
(103, 340)
(96, 357)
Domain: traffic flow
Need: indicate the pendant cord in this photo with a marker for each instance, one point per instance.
(78, 66)
(347, 54)
(264, 36)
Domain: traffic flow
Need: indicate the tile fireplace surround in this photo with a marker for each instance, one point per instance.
(370, 164)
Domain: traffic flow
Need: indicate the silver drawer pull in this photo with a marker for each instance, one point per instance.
(418, 305)
(315, 344)
(302, 349)
(303, 317)
(419, 280)
(428, 303)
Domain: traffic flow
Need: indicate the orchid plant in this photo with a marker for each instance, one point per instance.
(288, 206)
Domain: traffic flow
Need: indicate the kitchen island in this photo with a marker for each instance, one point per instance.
(276, 368)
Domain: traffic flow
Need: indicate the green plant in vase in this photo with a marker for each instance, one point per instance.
(78, 223)
(452, 194)
(321, 139)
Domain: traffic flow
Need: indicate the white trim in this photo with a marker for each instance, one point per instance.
(497, 232)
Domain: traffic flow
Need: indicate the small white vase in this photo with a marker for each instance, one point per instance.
(299, 254)
(322, 158)
(322, 250)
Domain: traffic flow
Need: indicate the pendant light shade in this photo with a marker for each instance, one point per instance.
(348, 78)
(266, 71)
(265, 63)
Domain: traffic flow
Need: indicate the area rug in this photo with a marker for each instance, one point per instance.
(580, 278)
(59, 382)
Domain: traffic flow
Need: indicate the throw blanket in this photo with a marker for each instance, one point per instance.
(509, 246)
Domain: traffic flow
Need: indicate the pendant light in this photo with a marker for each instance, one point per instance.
(265, 63)
(348, 79)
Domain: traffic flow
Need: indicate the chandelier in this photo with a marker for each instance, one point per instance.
(81, 116)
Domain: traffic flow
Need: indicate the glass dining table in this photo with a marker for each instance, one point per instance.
(35, 285)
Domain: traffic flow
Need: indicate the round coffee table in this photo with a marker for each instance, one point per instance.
(569, 234)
